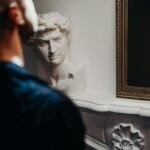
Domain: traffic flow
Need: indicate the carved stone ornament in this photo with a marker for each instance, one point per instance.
(126, 137)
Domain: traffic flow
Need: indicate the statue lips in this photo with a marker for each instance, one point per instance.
(52, 56)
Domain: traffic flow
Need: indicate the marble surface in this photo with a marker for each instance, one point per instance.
(103, 103)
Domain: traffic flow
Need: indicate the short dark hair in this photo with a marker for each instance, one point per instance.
(5, 22)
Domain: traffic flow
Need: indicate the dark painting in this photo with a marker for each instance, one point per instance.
(133, 49)
(139, 43)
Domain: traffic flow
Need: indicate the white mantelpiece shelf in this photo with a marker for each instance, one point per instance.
(109, 103)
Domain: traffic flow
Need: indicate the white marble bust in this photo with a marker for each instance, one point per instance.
(53, 41)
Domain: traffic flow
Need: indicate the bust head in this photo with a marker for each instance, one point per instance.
(53, 37)
(53, 40)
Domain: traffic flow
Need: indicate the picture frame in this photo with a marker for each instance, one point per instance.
(132, 30)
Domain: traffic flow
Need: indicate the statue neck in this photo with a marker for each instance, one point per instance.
(62, 70)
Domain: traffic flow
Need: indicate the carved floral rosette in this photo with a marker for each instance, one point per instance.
(126, 137)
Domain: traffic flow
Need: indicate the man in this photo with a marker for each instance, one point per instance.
(33, 116)
(53, 41)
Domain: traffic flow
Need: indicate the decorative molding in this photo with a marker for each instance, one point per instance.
(93, 144)
(126, 137)
(116, 105)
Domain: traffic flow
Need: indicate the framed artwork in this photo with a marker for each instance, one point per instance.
(133, 49)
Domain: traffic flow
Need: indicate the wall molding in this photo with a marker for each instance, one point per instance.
(112, 104)
(127, 137)
(95, 144)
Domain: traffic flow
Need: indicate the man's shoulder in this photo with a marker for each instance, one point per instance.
(41, 97)
(30, 87)
(36, 88)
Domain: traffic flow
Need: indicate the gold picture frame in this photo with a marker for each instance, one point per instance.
(132, 49)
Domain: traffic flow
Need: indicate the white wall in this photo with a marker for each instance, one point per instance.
(93, 44)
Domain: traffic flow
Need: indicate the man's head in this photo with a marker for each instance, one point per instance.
(53, 37)
(18, 13)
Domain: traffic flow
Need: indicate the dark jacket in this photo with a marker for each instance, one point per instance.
(35, 116)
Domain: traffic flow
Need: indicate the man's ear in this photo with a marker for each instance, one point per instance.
(16, 14)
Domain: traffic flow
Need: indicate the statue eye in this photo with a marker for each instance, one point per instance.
(58, 39)
(41, 42)
(51, 29)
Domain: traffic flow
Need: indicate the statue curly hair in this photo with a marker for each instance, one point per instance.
(51, 21)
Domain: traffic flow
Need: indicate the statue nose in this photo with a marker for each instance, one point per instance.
(49, 54)
(49, 49)
(49, 45)
(52, 48)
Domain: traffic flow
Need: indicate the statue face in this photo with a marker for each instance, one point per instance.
(54, 46)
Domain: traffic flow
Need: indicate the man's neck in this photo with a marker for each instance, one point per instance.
(10, 46)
